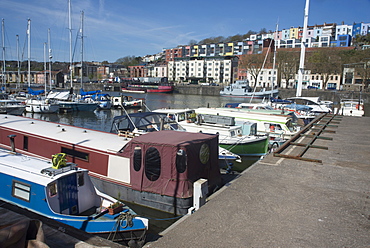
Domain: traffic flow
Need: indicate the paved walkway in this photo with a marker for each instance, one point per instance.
(281, 202)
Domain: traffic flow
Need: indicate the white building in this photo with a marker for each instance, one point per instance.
(343, 30)
(207, 70)
(157, 70)
(267, 78)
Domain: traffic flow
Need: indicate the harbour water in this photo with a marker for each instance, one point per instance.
(102, 120)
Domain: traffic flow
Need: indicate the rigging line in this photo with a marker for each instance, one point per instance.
(9, 48)
(23, 51)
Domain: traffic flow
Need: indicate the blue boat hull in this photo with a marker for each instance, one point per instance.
(100, 223)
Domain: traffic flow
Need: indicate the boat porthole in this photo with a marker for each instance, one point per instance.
(204, 153)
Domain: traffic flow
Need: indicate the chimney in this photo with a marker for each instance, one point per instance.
(12, 143)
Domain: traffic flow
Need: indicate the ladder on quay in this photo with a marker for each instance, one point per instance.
(306, 138)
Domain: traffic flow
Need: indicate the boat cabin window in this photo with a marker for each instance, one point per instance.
(152, 164)
(253, 129)
(181, 117)
(273, 127)
(181, 161)
(291, 126)
(171, 116)
(25, 143)
(21, 190)
(76, 154)
(52, 189)
(232, 133)
(137, 158)
(80, 179)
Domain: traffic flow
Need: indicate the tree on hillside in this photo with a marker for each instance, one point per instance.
(287, 65)
(364, 72)
(192, 42)
(252, 63)
(263, 31)
(325, 61)
(235, 38)
(129, 61)
(360, 40)
(248, 34)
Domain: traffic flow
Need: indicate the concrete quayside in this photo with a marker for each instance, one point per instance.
(316, 198)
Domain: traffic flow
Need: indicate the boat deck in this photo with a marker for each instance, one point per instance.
(321, 200)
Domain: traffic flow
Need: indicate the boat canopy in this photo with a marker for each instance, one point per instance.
(86, 93)
(35, 92)
(169, 162)
(146, 121)
(298, 107)
(278, 100)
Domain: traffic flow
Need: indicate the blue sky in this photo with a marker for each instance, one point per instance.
(117, 28)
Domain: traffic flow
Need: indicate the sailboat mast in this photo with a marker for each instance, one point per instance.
(50, 57)
(29, 51)
(70, 41)
(274, 60)
(303, 50)
(82, 46)
(45, 77)
(18, 64)
(3, 43)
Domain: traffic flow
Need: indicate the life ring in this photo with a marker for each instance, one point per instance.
(59, 160)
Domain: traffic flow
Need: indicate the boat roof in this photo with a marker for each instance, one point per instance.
(31, 168)
(82, 137)
(139, 114)
(173, 111)
(172, 138)
(240, 114)
(315, 99)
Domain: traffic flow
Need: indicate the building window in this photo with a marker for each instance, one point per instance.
(152, 164)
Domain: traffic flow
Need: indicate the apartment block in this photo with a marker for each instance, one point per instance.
(197, 70)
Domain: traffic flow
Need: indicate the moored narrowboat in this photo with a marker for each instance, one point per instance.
(61, 191)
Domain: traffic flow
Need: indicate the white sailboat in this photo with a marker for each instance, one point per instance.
(67, 100)
(39, 104)
(241, 88)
